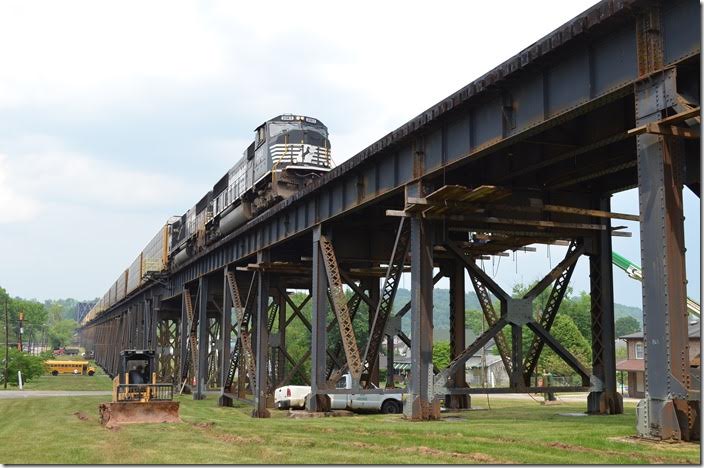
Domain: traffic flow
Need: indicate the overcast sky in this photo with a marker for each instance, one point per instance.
(116, 115)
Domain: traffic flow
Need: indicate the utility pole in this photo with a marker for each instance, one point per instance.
(19, 341)
(7, 343)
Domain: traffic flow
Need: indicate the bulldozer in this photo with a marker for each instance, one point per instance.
(136, 395)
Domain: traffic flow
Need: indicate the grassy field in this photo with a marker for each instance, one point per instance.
(68, 382)
(99, 381)
(66, 430)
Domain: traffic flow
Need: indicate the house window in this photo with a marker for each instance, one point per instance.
(639, 350)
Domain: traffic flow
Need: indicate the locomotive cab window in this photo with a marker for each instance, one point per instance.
(260, 136)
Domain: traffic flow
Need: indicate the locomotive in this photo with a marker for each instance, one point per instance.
(288, 152)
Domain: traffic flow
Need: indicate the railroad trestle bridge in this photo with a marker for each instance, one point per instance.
(529, 153)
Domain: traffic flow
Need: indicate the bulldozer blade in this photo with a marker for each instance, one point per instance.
(126, 412)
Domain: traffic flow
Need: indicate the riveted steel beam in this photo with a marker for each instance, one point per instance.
(319, 336)
(671, 407)
(421, 403)
(339, 303)
(605, 399)
(261, 388)
(201, 355)
(225, 339)
(457, 332)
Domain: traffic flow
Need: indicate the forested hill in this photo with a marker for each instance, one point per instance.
(441, 307)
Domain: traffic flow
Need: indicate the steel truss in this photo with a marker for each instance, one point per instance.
(517, 313)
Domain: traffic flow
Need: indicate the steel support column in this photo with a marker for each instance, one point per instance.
(457, 333)
(225, 338)
(183, 343)
(421, 403)
(605, 399)
(669, 410)
(372, 286)
(261, 387)
(319, 337)
(203, 339)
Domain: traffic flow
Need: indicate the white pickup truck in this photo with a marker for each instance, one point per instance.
(294, 396)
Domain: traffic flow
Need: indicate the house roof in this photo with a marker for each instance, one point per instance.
(631, 365)
(694, 331)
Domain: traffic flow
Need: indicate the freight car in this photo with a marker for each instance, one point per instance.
(288, 152)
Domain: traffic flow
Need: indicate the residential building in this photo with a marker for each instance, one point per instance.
(634, 364)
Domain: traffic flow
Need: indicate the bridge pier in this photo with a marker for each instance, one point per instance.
(319, 336)
(421, 403)
(261, 390)
(201, 367)
(455, 272)
(604, 398)
(671, 409)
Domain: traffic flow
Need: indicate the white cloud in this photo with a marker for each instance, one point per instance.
(37, 176)
(14, 207)
(84, 53)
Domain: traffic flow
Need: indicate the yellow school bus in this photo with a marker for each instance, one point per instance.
(69, 367)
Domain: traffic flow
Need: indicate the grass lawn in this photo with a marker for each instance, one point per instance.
(66, 430)
(99, 381)
(68, 382)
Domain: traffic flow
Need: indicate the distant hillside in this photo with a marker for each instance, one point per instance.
(621, 310)
(441, 308)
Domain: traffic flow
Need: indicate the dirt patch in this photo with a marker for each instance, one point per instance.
(474, 457)
(207, 428)
(362, 445)
(579, 448)
(81, 415)
(204, 425)
(666, 444)
(235, 439)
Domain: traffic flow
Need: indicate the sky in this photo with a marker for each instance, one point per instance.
(117, 115)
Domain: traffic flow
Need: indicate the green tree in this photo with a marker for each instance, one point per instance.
(61, 332)
(566, 332)
(474, 320)
(441, 354)
(579, 308)
(626, 325)
(30, 366)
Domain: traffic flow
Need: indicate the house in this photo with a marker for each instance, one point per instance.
(634, 364)
(486, 371)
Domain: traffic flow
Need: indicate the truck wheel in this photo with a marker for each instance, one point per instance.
(54, 373)
(390, 407)
(90, 373)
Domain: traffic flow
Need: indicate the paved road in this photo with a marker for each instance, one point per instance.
(12, 394)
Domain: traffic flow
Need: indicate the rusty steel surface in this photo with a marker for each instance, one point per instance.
(339, 303)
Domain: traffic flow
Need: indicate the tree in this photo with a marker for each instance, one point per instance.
(579, 308)
(626, 325)
(566, 332)
(61, 332)
(30, 366)
(441, 354)
(474, 320)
